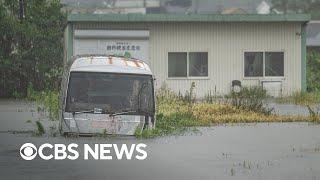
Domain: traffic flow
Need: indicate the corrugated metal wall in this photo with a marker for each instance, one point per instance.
(225, 44)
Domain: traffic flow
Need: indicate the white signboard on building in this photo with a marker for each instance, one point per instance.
(128, 43)
(129, 48)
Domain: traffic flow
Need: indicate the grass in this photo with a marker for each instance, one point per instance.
(301, 98)
(175, 124)
(314, 114)
(181, 118)
(176, 116)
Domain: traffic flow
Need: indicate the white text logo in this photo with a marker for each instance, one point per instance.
(29, 151)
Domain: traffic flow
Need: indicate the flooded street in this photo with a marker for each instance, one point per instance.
(242, 151)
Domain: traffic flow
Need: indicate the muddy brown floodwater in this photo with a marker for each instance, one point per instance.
(242, 151)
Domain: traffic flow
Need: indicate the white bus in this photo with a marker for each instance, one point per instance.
(106, 94)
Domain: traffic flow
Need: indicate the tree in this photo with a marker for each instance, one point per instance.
(31, 49)
(313, 71)
(298, 6)
(8, 48)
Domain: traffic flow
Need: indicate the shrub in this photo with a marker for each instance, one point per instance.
(301, 98)
(313, 71)
(190, 96)
(49, 100)
(174, 124)
(40, 129)
(210, 97)
(305, 98)
(250, 98)
(166, 95)
(314, 114)
(175, 116)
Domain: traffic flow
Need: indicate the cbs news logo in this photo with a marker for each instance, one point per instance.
(29, 151)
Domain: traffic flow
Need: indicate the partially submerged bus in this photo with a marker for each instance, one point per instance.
(106, 94)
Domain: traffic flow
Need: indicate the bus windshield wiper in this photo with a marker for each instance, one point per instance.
(122, 113)
(81, 112)
(139, 112)
(95, 111)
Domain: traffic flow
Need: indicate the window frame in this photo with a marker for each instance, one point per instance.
(188, 64)
(263, 64)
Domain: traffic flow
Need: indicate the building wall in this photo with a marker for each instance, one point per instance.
(225, 44)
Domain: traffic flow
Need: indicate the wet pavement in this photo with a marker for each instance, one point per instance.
(242, 151)
(288, 109)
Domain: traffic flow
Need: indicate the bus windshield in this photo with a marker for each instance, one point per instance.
(110, 92)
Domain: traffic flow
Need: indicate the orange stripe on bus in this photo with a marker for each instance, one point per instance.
(137, 64)
(142, 64)
(110, 60)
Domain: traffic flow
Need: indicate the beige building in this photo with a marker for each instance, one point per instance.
(210, 50)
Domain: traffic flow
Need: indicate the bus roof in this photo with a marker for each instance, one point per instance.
(111, 64)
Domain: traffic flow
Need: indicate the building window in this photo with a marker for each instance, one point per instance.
(177, 64)
(274, 64)
(198, 64)
(263, 64)
(192, 64)
(253, 64)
